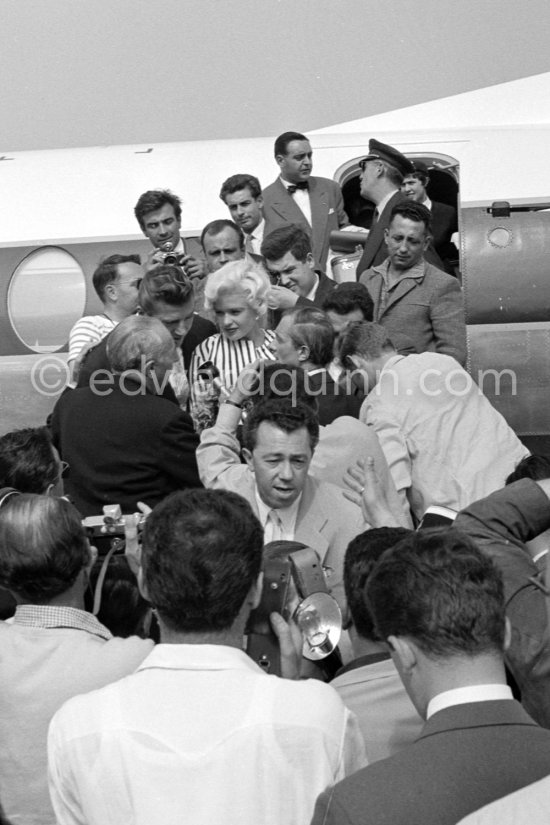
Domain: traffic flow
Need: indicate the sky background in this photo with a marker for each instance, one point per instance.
(93, 72)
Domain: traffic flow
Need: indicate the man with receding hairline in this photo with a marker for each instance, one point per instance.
(297, 197)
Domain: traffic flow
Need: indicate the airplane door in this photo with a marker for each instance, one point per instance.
(505, 264)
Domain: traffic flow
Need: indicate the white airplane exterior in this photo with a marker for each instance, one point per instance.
(62, 210)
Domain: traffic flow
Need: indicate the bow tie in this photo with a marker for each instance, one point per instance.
(294, 186)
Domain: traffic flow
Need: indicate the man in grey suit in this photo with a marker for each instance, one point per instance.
(296, 197)
(438, 602)
(382, 173)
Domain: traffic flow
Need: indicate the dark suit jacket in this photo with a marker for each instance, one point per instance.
(332, 399)
(123, 447)
(327, 213)
(324, 289)
(96, 358)
(500, 525)
(444, 223)
(466, 756)
(375, 250)
(421, 315)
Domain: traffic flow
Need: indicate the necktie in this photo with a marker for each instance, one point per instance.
(274, 519)
(294, 186)
(248, 248)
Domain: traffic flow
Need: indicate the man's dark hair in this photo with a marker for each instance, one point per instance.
(361, 556)
(277, 380)
(107, 272)
(44, 547)
(216, 227)
(312, 329)
(413, 211)
(285, 239)
(438, 588)
(347, 297)
(154, 199)
(363, 338)
(167, 283)
(536, 467)
(237, 182)
(281, 143)
(27, 460)
(423, 177)
(202, 552)
(284, 415)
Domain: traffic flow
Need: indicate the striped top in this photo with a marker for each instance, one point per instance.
(88, 330)
(230, 357)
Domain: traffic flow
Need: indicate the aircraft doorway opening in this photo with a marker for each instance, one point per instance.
(443, 188)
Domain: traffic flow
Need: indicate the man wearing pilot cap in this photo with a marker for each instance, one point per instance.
(382, 173)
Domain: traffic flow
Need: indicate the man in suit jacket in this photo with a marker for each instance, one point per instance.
(291, 267)
(382, 173)
(420, 306)
(444, 222)
(315, 204)
(439, 604)
(279, 440)
(125, 443)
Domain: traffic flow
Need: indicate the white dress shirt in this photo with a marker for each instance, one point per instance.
(255, 238)
(199, 734)
(465, 695)
(287, 516)
(301, 197)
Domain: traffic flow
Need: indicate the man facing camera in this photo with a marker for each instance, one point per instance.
(297, 197)
(420, 306)
(199, 732)
(438, 603)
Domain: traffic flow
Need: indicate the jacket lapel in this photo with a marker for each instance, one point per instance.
(311, 521)
(284, 205)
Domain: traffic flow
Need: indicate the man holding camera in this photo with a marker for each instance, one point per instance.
(53, 649)
(158, 212)
(200, 732)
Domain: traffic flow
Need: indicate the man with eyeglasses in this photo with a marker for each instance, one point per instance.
(116, 281)
(382, 173)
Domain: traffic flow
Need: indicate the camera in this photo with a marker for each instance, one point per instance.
(295, 586)
(168, 254)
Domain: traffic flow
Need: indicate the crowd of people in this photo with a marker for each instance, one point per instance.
(288, 640)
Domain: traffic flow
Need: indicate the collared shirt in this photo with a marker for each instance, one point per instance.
(287, 515)
(382, 205)
(45, 615)
(301, 197)
(49, 654)
(427, 203)
(199, 733)
(256, 237)
(313, 291)
(465, 695)
(417, 272)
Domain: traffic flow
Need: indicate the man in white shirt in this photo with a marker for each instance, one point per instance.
(200, 733)
(242, 194)
(297, 197)
(290, 263)
(116, 282)
(280, 438)
(443, 440)
(438, 603)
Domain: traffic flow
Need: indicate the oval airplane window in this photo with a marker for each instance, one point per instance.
(46, 296)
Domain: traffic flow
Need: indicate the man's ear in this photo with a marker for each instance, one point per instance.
(256, 591)
(507, 633)
(404, 652)
(310, 261)
(279, 159)
(142, 585)
(247, 455)
(303, 353)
